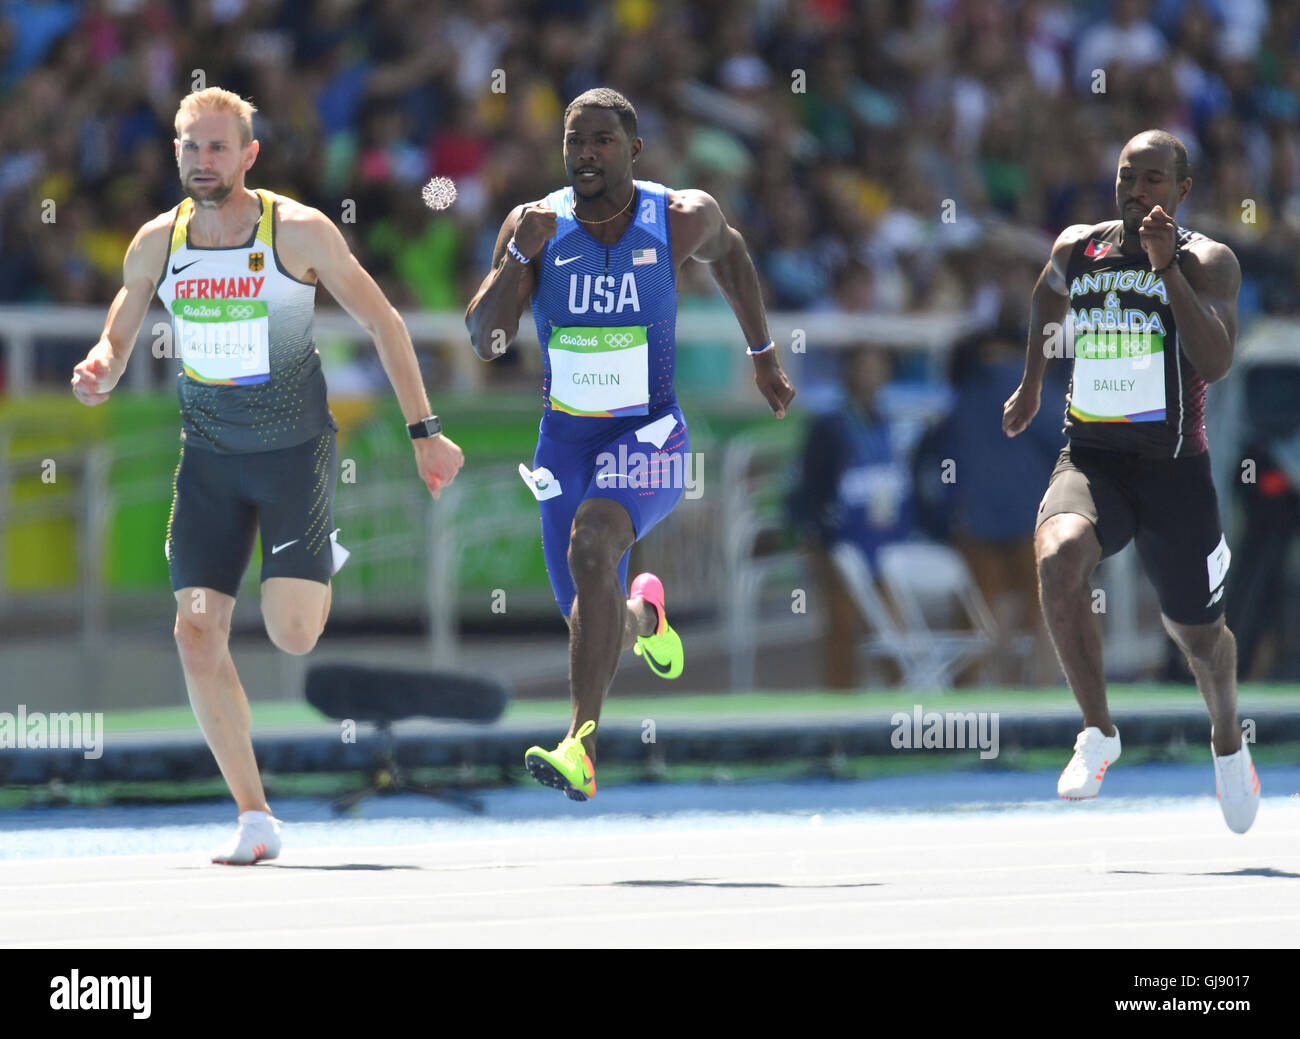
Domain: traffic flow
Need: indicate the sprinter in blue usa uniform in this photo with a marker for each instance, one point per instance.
(599, 260)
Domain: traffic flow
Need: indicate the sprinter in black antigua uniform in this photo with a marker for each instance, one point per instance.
(1148, 311)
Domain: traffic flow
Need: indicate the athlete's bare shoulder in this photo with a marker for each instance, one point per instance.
(698, 226)
(305, 237)
(149, 248)
(300, 220)
(1058, 263)
(1203, 247)
(1211, 253)
(1209, 266)
(1076, 233)
(690, 203)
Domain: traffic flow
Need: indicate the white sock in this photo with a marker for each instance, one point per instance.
(256, 816)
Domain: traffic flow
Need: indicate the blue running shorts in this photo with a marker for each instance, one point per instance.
(640, 462)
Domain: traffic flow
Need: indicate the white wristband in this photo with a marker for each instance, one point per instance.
(769, 345)
(513, 250)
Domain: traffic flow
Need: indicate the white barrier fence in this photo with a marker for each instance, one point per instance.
(23, 328)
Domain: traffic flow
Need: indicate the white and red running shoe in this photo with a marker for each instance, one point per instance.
(1093, 754)
(1237, 787)
(258, 838)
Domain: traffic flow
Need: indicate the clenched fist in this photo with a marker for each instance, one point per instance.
(93, 380)
(537, 226)
(1020, 409)
(438, 460)
(1159, 237)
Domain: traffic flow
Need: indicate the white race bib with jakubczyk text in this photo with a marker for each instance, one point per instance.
(223, 341)
(600, 372)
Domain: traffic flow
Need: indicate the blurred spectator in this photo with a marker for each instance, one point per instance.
(821, 378)
(794, 266)
(1270, 438)
(33, 27)
(979, 489)
(1123, 44)
(853, 487)
(804, 120)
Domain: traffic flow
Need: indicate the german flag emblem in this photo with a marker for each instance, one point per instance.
(256, 261)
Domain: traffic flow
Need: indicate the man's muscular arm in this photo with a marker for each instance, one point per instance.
(309, 240)
(1202, 290)
(492, 316)
(1202, 293)
(1048, 309)
(95, 377)
(698, 222)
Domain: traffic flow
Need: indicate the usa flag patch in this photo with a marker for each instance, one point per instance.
(640, 256)
(1096, 250)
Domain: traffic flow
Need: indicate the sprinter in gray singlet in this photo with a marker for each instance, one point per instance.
(237, 270)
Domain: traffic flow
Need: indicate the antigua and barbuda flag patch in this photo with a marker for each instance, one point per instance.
(1096, 250)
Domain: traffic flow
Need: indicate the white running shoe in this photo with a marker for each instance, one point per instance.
(1237, 787)
(1093, 754)
(258, 838)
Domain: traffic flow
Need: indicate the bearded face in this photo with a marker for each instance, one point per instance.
(211, 157)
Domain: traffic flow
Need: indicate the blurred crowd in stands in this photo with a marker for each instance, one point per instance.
(832, 131)
(879, 156)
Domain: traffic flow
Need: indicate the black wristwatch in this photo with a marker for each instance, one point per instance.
(426, 427)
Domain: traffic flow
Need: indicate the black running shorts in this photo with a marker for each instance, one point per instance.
(223, 501)
(1167, 504)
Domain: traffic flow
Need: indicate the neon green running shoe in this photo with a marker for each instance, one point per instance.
(568, 767)
(662, 651)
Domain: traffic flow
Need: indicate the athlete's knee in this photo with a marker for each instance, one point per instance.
(295, 633)
(1202, 643)
(592, 550)
(199, 635)
(1066, 554)
(294, 611)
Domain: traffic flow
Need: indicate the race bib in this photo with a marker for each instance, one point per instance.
(1119, 377)
(600, 372)
(223, 341)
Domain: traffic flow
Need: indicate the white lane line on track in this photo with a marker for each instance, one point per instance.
(1112, 866)
(272, 934)
(875, 848)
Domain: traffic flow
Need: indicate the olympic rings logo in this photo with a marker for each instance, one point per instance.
(618, 339)
(243, 310)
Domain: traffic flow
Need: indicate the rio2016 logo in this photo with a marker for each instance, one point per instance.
(240, 311)
(618, 340)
